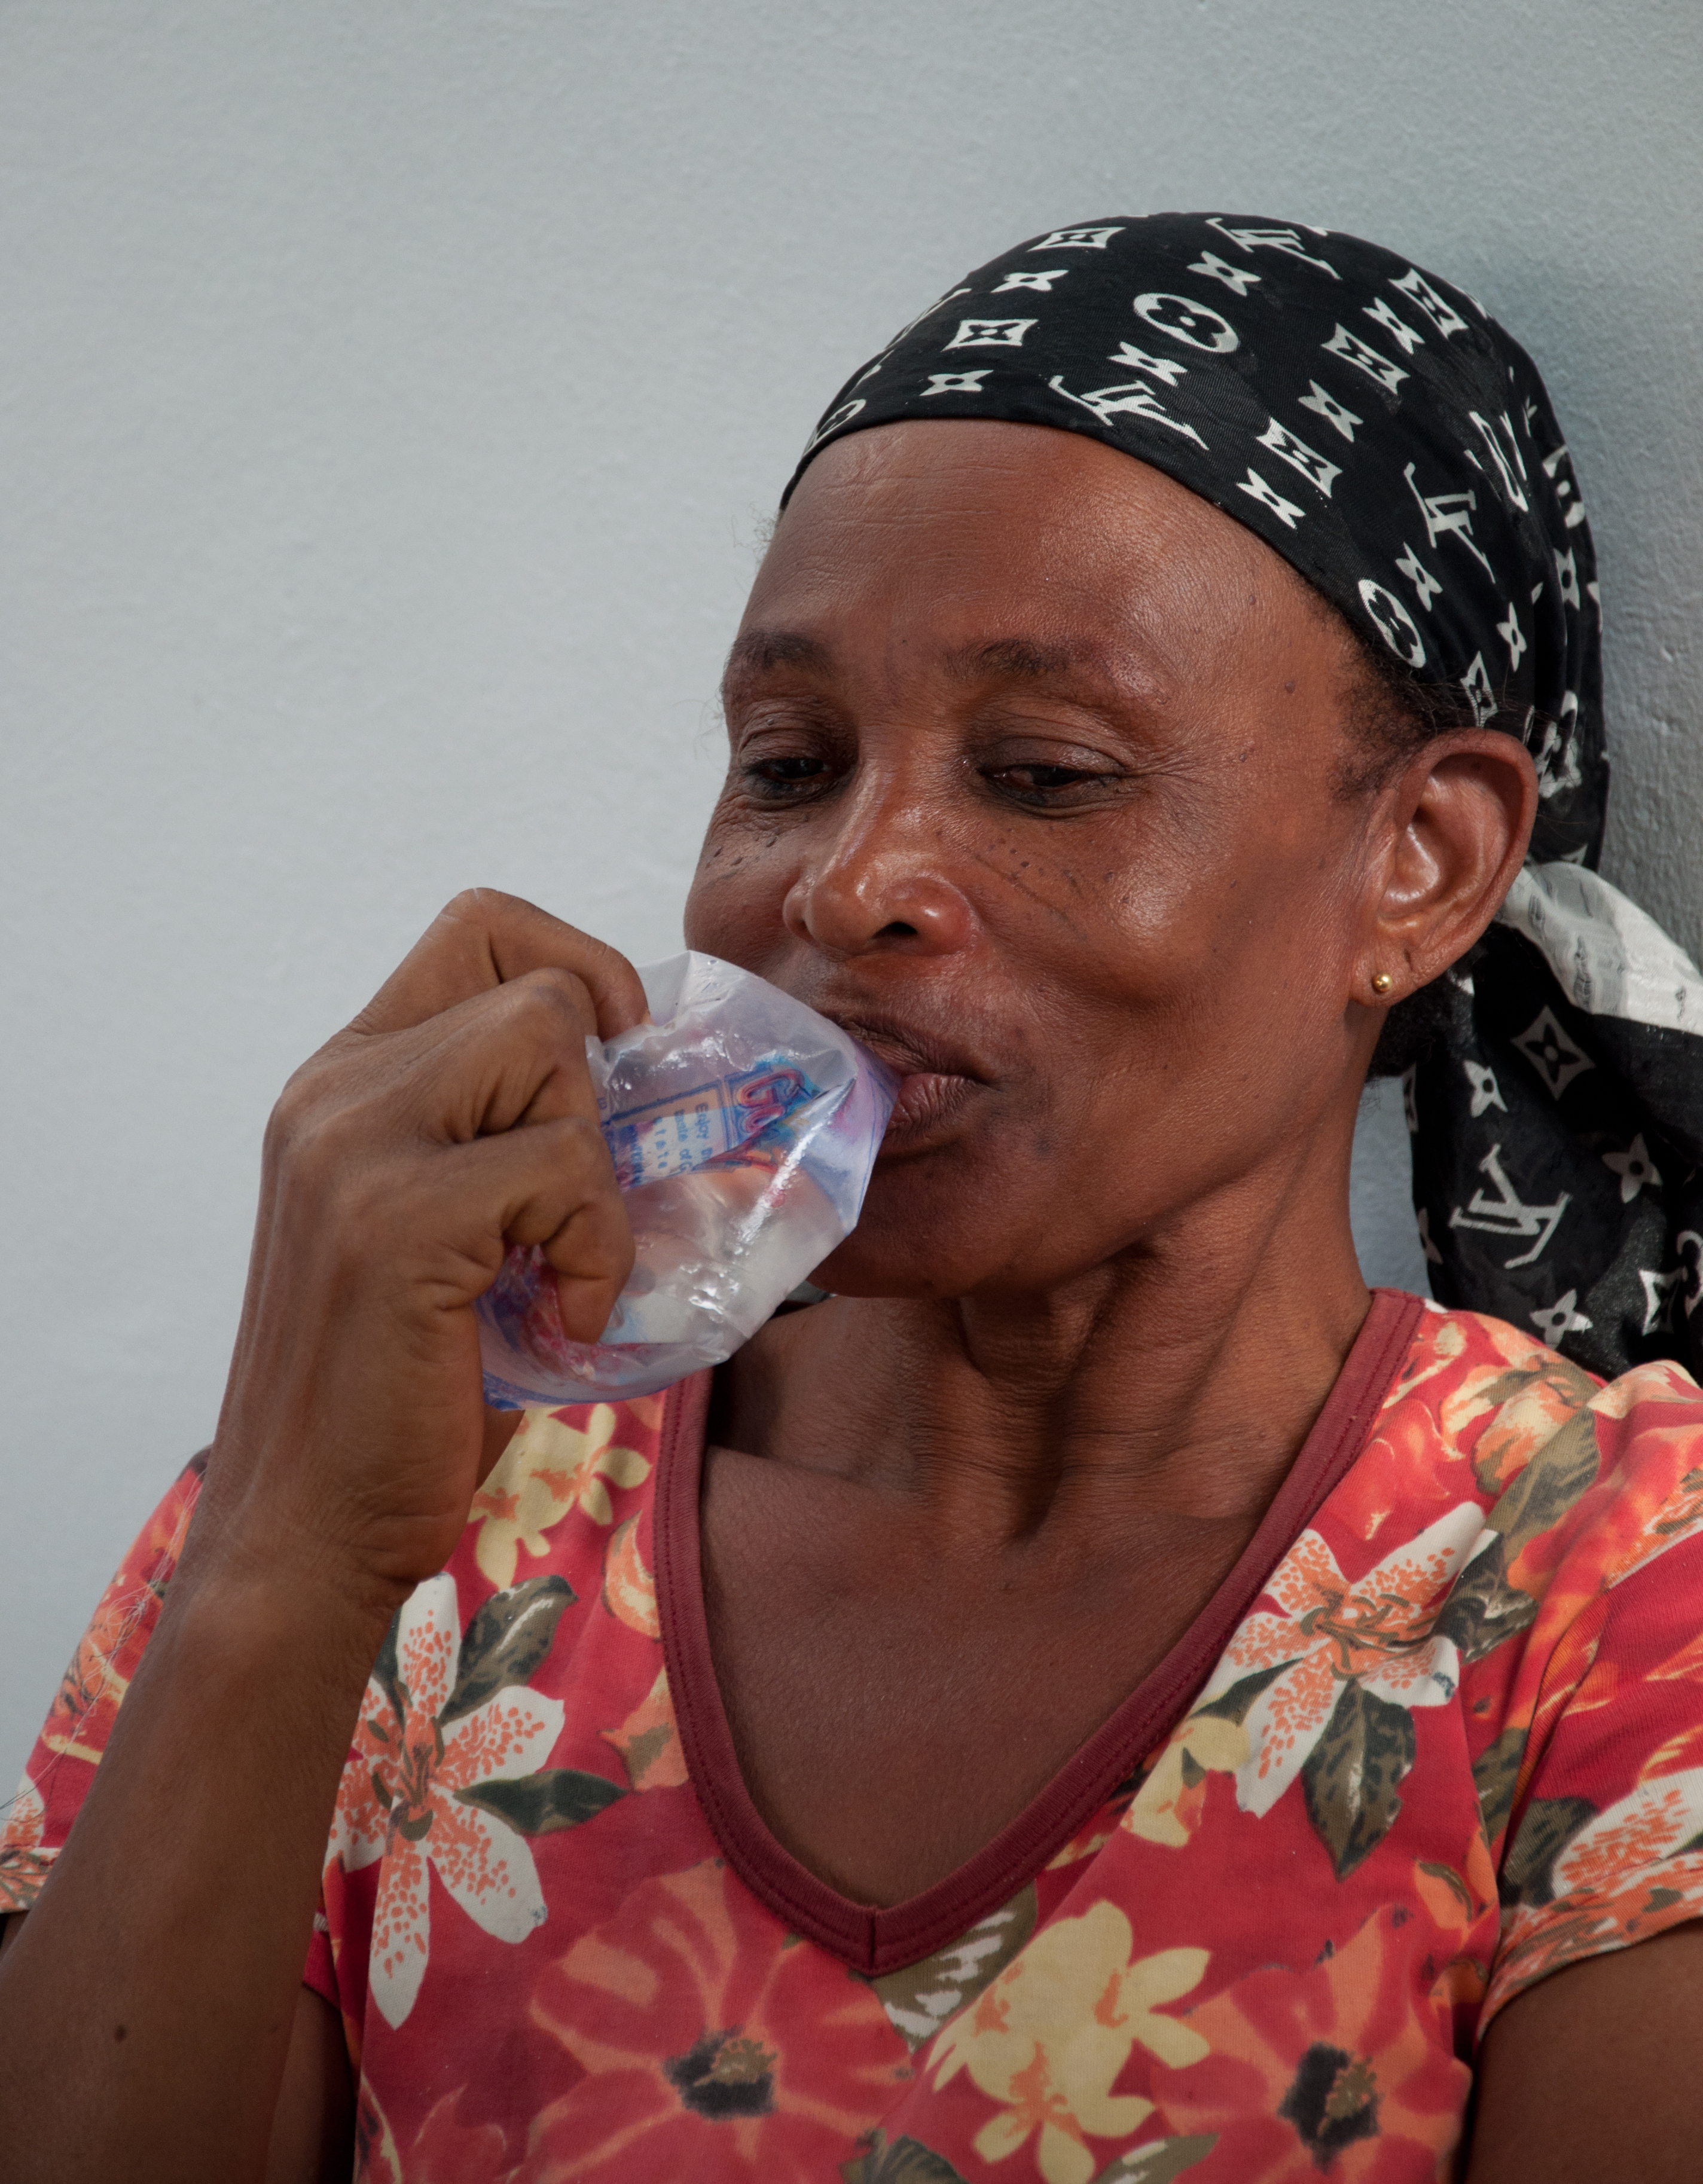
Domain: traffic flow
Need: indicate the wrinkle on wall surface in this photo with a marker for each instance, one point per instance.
(390, 400)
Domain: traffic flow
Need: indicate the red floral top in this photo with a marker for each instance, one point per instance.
(1439, 1733)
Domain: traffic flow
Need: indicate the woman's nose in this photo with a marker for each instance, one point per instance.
(880, 888)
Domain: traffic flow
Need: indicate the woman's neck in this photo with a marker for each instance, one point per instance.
(1181, 1377)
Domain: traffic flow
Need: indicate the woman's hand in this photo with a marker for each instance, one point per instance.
(455, 1116)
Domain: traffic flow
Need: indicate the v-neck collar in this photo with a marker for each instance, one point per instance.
(876, 1940)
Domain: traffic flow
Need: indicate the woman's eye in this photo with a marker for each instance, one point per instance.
(1047, 776)
(1036, 783)
(774, 776)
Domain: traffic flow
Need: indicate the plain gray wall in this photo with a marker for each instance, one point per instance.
(391, 394)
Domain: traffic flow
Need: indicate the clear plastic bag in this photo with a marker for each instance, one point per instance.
(744, 1127)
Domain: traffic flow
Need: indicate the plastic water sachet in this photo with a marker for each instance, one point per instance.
(743, 1127)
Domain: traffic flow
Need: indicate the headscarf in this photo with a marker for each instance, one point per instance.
(1376, 427)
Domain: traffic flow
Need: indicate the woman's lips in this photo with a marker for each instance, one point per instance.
(928, 1099)
(937, 1079)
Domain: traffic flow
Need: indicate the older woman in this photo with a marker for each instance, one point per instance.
(1066, 1706)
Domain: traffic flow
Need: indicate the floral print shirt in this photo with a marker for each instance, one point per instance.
(1440, 1734)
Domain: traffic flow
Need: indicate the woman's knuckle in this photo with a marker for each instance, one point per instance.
(295, 1111)
(319, 1130)
(563, 988)
(578, 1140)
(550, 1006)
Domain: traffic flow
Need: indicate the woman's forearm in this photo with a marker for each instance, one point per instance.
(146, 2008)
(147, 2005)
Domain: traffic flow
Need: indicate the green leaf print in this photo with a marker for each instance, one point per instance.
(1483, 1608)
(1508, 1387)
(539, 1804)
(387, 1671)
(906, 2161)
(1562, 1469)
(506, 1640)
(1352, 1772)
(919, 1999)
(1159, 2161)
(1549, 1826)
(1495, 1773)
(1236, 1704)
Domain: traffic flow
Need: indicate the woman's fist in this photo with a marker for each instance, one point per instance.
(455, 1116)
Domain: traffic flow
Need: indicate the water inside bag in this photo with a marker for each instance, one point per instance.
(743, 1127)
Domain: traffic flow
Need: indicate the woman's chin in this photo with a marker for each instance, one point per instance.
(893, 1253)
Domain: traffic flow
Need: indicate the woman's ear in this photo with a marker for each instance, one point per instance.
(1451, 832)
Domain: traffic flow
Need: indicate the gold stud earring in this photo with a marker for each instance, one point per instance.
(1382, 982)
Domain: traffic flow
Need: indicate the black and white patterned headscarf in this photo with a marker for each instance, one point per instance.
(1388, 439)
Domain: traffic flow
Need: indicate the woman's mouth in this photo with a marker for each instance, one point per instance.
(928, 1099)
(938, 1078)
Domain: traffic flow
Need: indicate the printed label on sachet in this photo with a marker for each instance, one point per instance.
(673, 1136)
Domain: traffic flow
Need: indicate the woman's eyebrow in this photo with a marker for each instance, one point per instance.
(1032, 659)
(760, 648)
(1021, 656)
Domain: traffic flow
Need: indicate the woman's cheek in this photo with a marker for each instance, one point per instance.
(727, 906)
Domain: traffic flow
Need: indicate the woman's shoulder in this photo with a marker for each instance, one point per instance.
(1552, 1453)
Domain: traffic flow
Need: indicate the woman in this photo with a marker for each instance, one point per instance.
(1067, 1706)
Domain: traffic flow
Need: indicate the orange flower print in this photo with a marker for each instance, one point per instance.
(443, 2151)
(23, 1862)
(1329, 1633)
(446, 2151)
(709, 2043)
(1338, 2068)
(85, 1705)
(1048, 2039)
(548, 1469)
(630, 1590)
(1460, 1902)
(1629, 1872)
(649, 1740)
(444, 1772)
(1661, 1503)
(376, 2159)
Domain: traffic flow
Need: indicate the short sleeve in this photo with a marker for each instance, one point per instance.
(61, 1766)
(1606, 1844)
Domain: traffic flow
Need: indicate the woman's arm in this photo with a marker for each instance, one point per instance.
(148, 2006)
(1595, 2074)
(149, 2001)
(313, 2128)
(313, 2125)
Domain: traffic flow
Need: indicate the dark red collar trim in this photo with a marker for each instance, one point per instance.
(877, 1941)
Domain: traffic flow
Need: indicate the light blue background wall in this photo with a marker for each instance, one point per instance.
(389, 395)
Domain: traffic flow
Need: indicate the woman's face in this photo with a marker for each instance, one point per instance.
(1032, 788)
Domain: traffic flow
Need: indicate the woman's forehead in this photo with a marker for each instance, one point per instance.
(1011, 547)
(930, 461)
